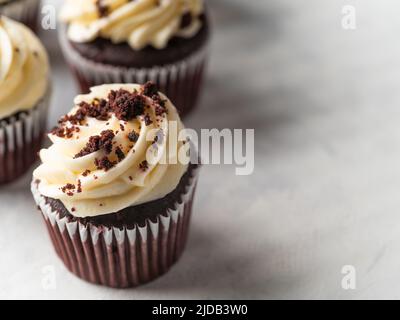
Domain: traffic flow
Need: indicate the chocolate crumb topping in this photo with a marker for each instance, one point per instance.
(96, 143)
(68, 186)
(98, 109)
(160, 107)
(92, 146)
(102, 9)
(157, 99)
(75, 119)
(160, 110)
(86, 173)
(133, 136)
(68, 189)
(106, 138)
(104, 164)
(150, 89)
(120, 154)
(125, 106)
(147, 120)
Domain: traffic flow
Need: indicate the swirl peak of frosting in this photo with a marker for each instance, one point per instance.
(24, 68)
(139, 22)
(99, 160)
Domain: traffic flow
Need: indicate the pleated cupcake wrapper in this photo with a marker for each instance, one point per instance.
(20, 140)
(25, 11)
(121, 258)
(181, 81)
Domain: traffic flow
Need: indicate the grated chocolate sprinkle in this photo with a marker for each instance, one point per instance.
(63, 132)
(79, 188)
(68, 189)
(126, 105)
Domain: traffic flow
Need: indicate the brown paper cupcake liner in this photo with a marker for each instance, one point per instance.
(25, 11)
(121, 258)
(181, 82)
(21, 136)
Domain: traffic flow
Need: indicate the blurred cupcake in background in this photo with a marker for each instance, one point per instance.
(24, 98)
(24, 11)
(123, 41)
(116, 198)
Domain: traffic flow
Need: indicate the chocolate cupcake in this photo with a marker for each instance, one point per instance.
(24, 98)
(123, 41)
(115, 195)
(24, 11)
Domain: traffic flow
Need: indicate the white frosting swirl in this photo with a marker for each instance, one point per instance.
(24, 68)
(138, 22)
(127, 183)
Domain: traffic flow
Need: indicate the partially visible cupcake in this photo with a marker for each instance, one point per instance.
(24, 11)
(123, 41)
(24, 98)
(115, 194)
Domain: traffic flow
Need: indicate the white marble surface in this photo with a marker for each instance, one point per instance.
(325, 192)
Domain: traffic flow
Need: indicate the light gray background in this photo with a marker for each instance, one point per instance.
(325, 192)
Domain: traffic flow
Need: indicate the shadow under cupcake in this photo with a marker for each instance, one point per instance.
(138, 41)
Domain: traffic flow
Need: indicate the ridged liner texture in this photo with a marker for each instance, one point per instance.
(121, 258)
(21, 137)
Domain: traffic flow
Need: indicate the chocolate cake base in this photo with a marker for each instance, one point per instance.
(124, 249)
